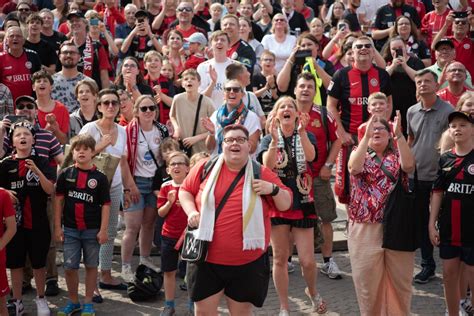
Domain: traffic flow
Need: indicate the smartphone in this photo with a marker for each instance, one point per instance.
(399, 52)
(460, 14)
(341, 27)
(141, 20)
(15, 118)
(94, 22)
(303, 54)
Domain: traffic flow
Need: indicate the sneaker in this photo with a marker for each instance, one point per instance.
(42, 307)
(284, 312)
(291, 267)
(127, 273)
(147, 261)
(331, 269)
(69, 309)
(15, 307)
(319, 305)
(88, 310)
(466, 306)
(168, 311)
(52, 288)
(424, 276)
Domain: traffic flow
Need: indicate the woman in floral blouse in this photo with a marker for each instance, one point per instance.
(382, 277)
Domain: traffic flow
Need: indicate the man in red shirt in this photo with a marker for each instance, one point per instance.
(433, 21)
(18, 64)
(112, 15)
(460, 27)
(185, 14)
(455, 75)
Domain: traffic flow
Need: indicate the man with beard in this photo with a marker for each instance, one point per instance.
(351, 16)
(65, 81)
(46, 52)
(385, 20)
(456, 76)
(93, 61)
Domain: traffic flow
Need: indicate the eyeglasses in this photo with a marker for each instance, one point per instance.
(177, 164)
(185, 9)
(460, 22)
(68, 52)
(22, 106)
(360, 46)
(380, 128)
(233, 89)
(129, 66)
(110, 102)
(24, 10)
(456, 70)
(230, 140)
(150, 108)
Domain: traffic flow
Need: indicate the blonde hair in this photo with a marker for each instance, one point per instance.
(279, 15)
(140, 99)
(377, 96)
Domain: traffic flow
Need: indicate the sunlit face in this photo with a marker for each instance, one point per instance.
(307, 44)
(216, 13)
(445, 53)
(48, 19)
(426, 84)
(363, 50)
(130, 15)
(42, 87)
(231, 5)
(190, 83)
(22, 139)
(244, 28)
(69, 56)
(267, 62)
(175, 41)
(153, 64)
(230, 26)
(349, 56)
(378, 107)
(338, 10)
(15, 39)
(109, 106)
(177, 167)
(34, 27)
(233, 93)
(246, 10)
(305, 90)
(468, 106)
(456, 73)
(287, 112)
(85, 96)
(82, 154)
(236, 147)
(461, 130)
(184, 12)
(380, 136)
(316, 28)
(126, 104)
(147, 111)
(220, 44)
(130, 68)
(77, 24)
(404, 27)
(27, 109)
(167, 71)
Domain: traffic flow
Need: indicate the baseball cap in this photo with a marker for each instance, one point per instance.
(460, 114)
(197, 37)
(25, 98)
(75, 13)
(444, 41)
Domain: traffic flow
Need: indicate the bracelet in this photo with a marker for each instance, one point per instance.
(275, 190)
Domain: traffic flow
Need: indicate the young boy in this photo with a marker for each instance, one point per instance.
(174, 225)
(85, 193)
(454, 191)
(7, 215)
(197, 43)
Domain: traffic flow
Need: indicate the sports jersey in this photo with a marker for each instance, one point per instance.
(352, 88)
(432, 23)
(93, 61)
(244, 53)
(62, 117)
(168, 88)
(456, 219)
(45, 51)
(15, 176)
(84, 192)
(464, 52)
(6, 210)
(176, 220)
(449, 97)
(138, 48)
(419, 7)
(16, 73)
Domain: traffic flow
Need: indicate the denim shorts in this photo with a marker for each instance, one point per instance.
(147, 197)
(77, 240)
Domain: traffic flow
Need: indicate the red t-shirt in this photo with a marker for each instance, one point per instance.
(432, 23)
(465, 52)
(449, 97)
(315, 126)
(63, 28)
(226, 246)
(176, 219)
(6, 210)
(193, 61)
(62, 117)
(15, 73)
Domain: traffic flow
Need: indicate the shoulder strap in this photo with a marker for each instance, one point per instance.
(149, 150)
(377, 159)
(256, 166)
(208, 167)
(228, 192)
(196, 118)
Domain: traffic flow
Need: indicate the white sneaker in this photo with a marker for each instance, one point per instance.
(291, 267)
(284, 312)
(147, 261)
(331, 269)
(466, 306)
(127, 273)
(42, 307)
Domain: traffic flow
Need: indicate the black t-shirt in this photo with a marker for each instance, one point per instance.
(85, 192)
(351, 17)
(456, 218)
(266, 99)
(15, 176)
(352, 88)
(46, 52)
(55, 40)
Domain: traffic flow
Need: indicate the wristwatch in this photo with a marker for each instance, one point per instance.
(329, 165)
(275, 190)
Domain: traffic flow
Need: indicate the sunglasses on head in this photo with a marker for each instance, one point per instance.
(22, 106)
(233, 89)
(185, 9)
(150, 108)
(360, 46)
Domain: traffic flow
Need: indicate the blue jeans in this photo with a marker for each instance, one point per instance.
(77, 242)
(147, 197)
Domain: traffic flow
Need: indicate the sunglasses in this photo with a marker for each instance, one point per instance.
(110, 102)
(150, 108)
(230, 140)
(24, 10)
(22, 106)
(379, 129)
(68, 52)
(360, 46)
(185, 9)
(233, 89)
(177, 164)
(460, 22)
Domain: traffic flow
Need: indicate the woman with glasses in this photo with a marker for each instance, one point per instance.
(280, 42)
(131, 78)
(287, 149)
(382, 277)
(86, 93)
(237, 264)
(144, 136)
(111, 138)
(233, 111)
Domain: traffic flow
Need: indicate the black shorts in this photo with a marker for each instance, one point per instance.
(246, 283)
(35, 243)
(169, 255)
(297, 223)
(465, 254)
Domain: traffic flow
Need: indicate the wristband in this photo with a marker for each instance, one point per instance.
(275, 190)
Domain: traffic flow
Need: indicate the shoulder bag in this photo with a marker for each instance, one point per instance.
(189, 150)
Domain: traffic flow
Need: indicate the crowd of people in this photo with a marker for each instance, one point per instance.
(231, 119)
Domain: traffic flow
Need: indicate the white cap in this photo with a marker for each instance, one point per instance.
(197, 37)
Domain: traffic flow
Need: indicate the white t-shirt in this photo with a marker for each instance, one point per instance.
(117, 150)
(145, 166)
(252, 124)
(218, 91)
(281, 50)
(367, 7)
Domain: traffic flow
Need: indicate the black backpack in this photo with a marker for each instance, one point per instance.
(146, 285)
